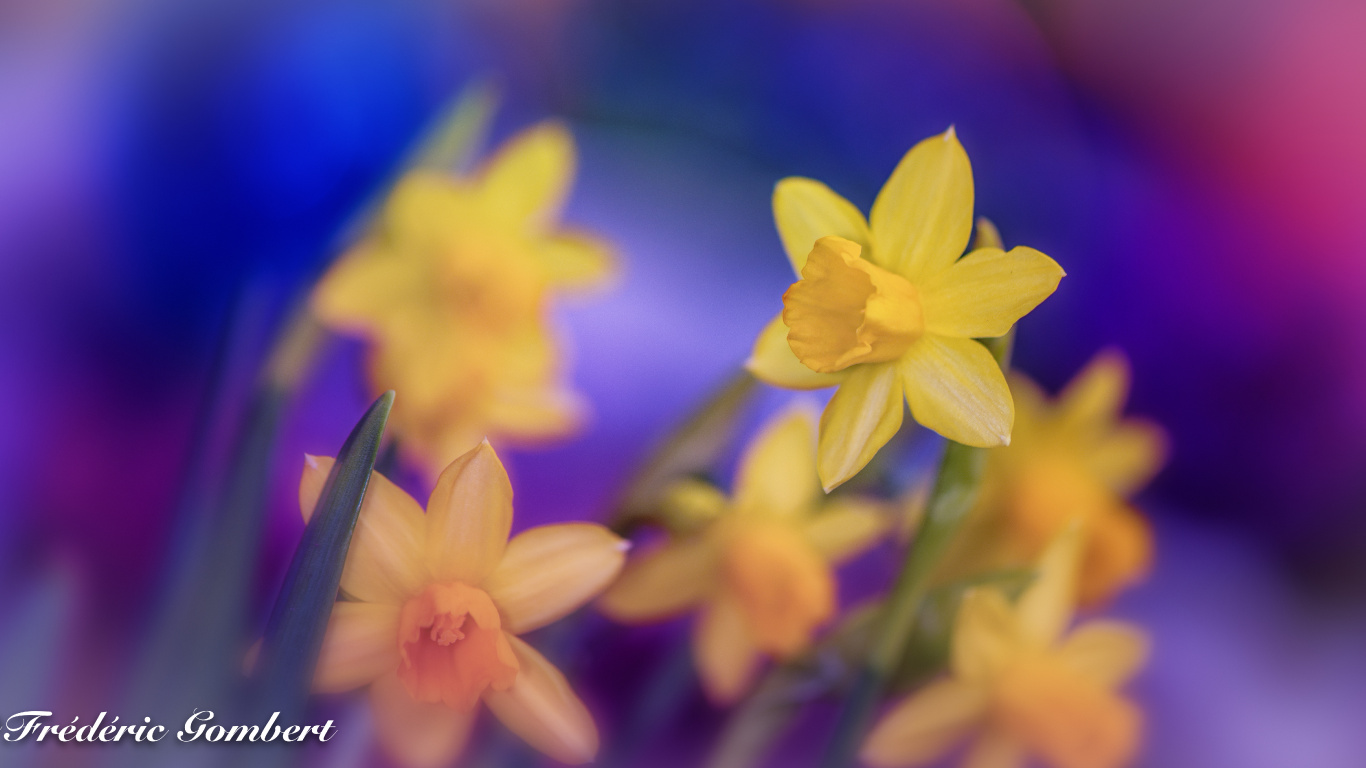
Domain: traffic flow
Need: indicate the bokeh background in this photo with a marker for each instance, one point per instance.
(1197, 166)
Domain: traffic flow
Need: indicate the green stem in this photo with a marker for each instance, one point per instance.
(954, 493)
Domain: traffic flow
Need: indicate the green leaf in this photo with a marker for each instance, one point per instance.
(294, 634)
(690, 449)
(459, 131)
(191, 655)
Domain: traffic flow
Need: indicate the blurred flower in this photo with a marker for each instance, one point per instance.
(435, 603)
(451, 290)
(1074, 459)
(760, 568)
(1018, 687)
(885, 309)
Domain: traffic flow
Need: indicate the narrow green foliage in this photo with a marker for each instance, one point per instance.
(693, 448)
(294, 634)
(459, 131)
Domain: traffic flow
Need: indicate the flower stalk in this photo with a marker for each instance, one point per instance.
(953, 496)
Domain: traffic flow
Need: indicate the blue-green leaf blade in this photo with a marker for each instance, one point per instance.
(294, 633)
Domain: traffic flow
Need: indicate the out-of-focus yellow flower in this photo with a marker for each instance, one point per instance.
(761, 568)
(886, 310)
(1077, 460)
(437, 602)
(1019, 687)
(451, 289)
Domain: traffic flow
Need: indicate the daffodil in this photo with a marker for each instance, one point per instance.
(1073, 460)
(1021, 686)
(451, 289)
(436, 602)
(760, 570)
(886, 310)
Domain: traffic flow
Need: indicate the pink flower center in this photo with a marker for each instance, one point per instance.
(452, 647)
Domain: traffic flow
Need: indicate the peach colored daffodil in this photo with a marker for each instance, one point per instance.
(437, 601)
(1021, 686)
(760, 570)
(451, 289)
(886, 310)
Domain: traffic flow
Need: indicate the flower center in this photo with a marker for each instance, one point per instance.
(452, 647)
(1068, 721)
(784, 587)
(487, 280)
(1050, 492)
(847, 310)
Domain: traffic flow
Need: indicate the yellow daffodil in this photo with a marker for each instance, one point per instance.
(437, 601)
(887, 311)
(1020, 687)
(761, 569)
(1075, 459)
(451, 288)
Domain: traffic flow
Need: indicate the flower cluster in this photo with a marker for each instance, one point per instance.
(450, 289)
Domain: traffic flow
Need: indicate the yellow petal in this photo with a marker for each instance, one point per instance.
(922, 218)
(1095, 397)
(469, 516)
(924, 727)
(1045, 609)
(689, 504)
(777, 474)
(985, 635)
(542, 709)
(988, 236)
(362, 289)
(994, 749)
(862, 416)
(385, 562)
(1128, 456)
(575, 260)
(773, 362)
(361, 644)
(847, 527)
(984, 293)
(1105, 652)
(1063, 719)
(548, 572)
(955, 388)
(663, 583)
(1117, 553)
(806, 210)
(528, 180)
(414, 734)
(1032, 409)
(910, 507)
(535, 413)
(724, 652)
(416, 218)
